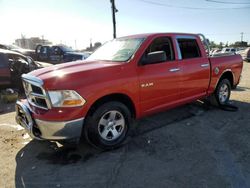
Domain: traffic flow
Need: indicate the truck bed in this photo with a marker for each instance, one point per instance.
(233, 63)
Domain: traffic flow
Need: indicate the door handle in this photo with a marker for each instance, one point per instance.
(205, 65)
(174, 70)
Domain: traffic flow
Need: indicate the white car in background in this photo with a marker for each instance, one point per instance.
(214, 51)
(228, 50)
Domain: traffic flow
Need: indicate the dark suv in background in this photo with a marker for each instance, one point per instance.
(58, 54)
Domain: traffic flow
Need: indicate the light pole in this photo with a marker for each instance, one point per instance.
(114, 10)
(241, 37)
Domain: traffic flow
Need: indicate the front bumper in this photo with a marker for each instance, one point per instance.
(47, 130)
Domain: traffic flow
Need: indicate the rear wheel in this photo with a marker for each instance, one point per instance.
(108, 125)
(222, 93)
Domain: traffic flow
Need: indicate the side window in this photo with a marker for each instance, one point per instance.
(19, 59)
(43, 50)
(3, 62)
(18, 64)
(10, 59)
(56, 51)
(159, 51)
(189, 48)
(38, 49)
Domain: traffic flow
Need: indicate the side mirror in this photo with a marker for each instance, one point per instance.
(155, 57)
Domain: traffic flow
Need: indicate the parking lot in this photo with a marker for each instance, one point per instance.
(192, 146)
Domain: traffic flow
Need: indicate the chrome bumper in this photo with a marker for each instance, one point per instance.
(47, 130)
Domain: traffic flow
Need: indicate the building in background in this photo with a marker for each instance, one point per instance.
(31, 43)
(92, 48)
(240, 44)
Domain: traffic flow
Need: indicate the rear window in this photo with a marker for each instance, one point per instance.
(189, 48)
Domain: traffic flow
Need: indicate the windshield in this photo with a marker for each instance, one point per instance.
(117, 50)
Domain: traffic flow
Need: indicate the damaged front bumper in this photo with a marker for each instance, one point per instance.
(47, 130)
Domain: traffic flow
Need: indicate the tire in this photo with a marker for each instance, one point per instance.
(222, 93)
(108, 126)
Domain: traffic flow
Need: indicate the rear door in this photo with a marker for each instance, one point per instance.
(195, 68)
(56, 54)
(4, 70)
(159, 82)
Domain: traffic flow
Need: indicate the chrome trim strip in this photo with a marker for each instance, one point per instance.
(205, 42)
(178, 49)
(174, 70)
(38, 95)
(185, 37)
(205, 65)
(49, 104)
(177, 44)
(33, 104)
(32, 79)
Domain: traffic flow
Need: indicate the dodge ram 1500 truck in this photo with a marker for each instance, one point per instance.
(125, 79)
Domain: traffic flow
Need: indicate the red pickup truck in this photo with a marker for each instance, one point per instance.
(125, 79)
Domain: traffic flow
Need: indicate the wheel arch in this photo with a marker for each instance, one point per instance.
(118, 97)
(228, 74)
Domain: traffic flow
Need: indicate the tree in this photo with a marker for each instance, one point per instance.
(221, 45)
(97, 45)
(213, 44)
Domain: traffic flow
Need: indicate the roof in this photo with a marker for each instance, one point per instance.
(9, 52)
(145, 35)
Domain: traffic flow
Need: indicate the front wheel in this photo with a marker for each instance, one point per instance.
(108, 125)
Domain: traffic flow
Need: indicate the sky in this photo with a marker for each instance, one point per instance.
(67, 21)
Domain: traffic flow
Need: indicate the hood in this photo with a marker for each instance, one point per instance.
(72, 69)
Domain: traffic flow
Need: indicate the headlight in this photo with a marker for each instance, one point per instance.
(65, 98)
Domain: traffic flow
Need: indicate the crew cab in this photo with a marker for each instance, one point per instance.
(125, 79)
(58, 54)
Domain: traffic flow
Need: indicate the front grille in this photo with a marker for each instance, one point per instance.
(35, 94)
